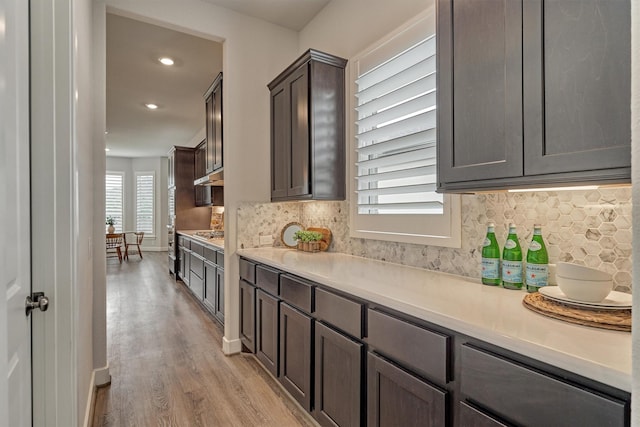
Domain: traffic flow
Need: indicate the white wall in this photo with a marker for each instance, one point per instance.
(129, 166)
(83, 195)
(254, 52)
(346, 27)
(100, 362)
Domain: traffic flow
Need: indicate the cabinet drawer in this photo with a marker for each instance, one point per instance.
(183, 241)
(340, 312)
(268, 279)
(220, 259)
(296, 292)
(210, 255)
(472, 417)
(421, 350)
(518, 393)
(247, 271)
(197, 265)
(197, 248)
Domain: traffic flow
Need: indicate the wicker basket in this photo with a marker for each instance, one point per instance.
(309, 246)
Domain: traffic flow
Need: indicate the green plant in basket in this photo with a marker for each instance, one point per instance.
(307, 236)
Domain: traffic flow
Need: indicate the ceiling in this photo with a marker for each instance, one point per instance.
(135, 77)
(292, 14)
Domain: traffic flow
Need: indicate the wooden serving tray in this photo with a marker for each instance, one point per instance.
(617, 320)
(326, 237)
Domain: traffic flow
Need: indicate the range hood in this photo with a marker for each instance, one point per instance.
(215, 179)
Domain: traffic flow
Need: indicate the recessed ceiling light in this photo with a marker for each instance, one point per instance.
(166, 61)
(106, 149)
(151, 106)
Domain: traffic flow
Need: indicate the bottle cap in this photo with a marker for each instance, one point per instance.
(537, 226)
(512, 225)
(491, 224)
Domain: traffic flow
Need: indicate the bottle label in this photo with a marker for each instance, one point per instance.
(535, 246)
(487, 242)
(510, 244)
(490, 268)
(512, 271)
(537, 274)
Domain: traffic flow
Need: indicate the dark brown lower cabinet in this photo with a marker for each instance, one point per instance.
(409, 372)
(247, 315)
(525, 396)
(219, 292)
(187, 267)
(210, 286)
(196, 284)
(267, 318)
(338, 379)
(181, 259)
(472, 417)
(296, 329)
(397, 398)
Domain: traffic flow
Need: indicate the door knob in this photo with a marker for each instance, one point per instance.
(36, 300)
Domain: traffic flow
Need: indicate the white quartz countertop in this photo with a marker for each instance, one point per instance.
(491, 314)
(216, 243)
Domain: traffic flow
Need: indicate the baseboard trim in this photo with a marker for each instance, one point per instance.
(99, 378)
(91, 402)
(103, 377)
(230, 347)
(151, 249)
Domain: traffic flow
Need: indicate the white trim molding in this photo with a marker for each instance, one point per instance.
(230, 347)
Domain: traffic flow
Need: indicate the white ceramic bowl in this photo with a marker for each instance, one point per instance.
(585, 290)
(580, 272)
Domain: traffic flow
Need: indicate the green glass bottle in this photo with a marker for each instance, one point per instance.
(537, 270)
(491, 258)
(512, 261)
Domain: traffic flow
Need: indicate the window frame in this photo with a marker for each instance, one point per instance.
(153, 198)
(123, 176)
(404, 228)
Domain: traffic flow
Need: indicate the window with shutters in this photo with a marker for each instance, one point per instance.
(114, 199)
(395, 141)
(145, 202)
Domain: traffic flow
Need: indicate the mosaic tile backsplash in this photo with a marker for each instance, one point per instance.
(591, 227)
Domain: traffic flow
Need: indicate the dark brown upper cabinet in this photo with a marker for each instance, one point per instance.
(533, 93)
(213, 98)
(202, 194)
(308, 129)
(182, 170)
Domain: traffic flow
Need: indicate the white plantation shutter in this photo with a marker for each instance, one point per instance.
(393, 158)
(396, 133)
(114, 200)
(144, 202)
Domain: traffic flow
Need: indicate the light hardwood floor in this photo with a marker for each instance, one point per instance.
(167, 364)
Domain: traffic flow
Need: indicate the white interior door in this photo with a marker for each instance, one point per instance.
(15, 326)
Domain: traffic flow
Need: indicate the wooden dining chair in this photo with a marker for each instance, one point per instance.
(114, 245)
(139, 236)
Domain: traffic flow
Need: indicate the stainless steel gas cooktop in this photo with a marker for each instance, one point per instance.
(210, 234)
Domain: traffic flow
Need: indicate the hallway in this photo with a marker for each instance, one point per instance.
(166, 360)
